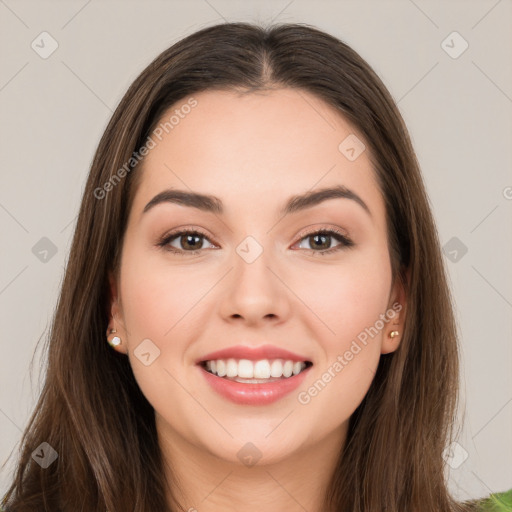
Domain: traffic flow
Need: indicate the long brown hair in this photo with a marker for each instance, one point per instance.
(393, 458)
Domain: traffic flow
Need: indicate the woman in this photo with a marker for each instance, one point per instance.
(256, 240)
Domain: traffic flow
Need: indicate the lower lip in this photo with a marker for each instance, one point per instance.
(254, 394)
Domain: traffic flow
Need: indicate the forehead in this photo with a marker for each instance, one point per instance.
(247, 147)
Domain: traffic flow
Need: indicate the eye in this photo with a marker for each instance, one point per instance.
(322, 240)
(189, 241)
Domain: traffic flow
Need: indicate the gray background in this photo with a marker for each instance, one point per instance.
(458, 111)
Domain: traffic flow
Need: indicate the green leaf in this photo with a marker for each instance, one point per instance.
(498, 502)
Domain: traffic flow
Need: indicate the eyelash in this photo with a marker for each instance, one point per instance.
(338, 235)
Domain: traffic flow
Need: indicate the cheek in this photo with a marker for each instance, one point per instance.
(351, 306)
(347, 298)
(150, 311)
(344, 374)
(157, 300)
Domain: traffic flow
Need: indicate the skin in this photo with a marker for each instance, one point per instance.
(253, 152)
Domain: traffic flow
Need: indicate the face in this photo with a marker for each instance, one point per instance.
(315, 281)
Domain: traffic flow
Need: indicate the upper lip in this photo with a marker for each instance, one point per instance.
(252, 353)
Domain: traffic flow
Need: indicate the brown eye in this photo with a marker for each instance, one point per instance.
(320, 241)
(190, 241)
(187, 241)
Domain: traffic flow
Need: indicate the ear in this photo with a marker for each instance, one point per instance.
(116, 320)
(398, 306)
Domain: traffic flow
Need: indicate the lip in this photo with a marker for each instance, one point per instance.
(253, 394)
(253, 354)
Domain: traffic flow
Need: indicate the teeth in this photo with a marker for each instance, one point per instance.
(221, 367)
(263, 369)
(246, 369)
(231, 368)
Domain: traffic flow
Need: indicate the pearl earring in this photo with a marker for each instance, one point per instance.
(114, 341)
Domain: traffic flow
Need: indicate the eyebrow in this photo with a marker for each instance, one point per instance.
(212, 204)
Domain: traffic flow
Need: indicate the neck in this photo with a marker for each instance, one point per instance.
(203, 482)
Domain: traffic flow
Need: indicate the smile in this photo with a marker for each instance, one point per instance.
(247, 382)
(264, 370)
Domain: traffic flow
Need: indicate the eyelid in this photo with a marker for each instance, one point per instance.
(322, 228)
(342, 236)
(165, 239)
(339, 233)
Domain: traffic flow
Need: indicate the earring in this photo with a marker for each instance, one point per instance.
(392, 334)
(115, 341)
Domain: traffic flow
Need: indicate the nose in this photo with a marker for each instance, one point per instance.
(255, 293)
